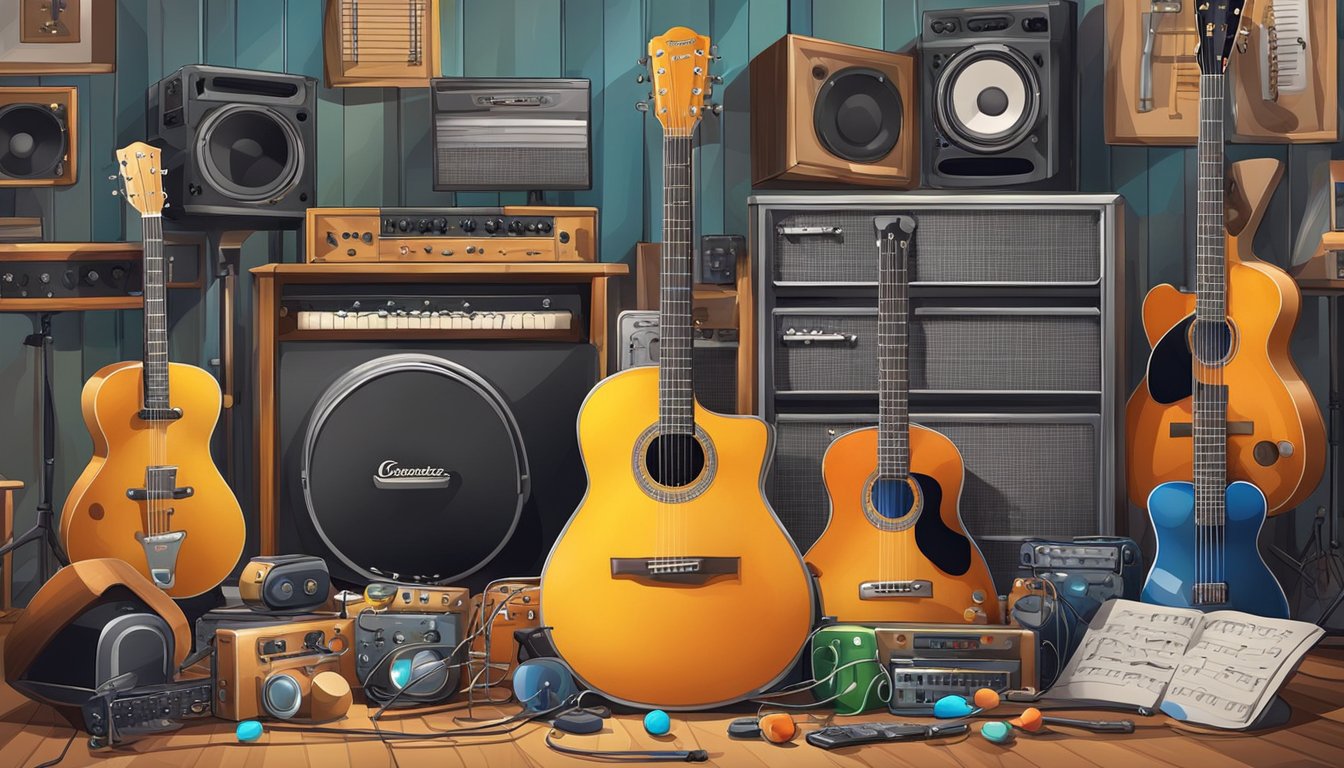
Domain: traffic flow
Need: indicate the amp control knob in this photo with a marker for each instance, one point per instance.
(516, 227)
(404, 225)
(544, 227)
(118, 274)
(441, 225)
(422, 225)
(467, 225)
(493, 225)
(70, 279)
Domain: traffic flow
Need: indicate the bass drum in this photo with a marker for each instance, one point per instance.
(425, 441)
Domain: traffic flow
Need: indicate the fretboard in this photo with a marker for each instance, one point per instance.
(1210, 395)
(676, 413)
(893, 351)
(156, 316)
(1210, 261)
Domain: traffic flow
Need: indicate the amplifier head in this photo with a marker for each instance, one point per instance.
(278, 670)
(511, 133)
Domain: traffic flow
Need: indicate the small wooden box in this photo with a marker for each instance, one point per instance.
(381, 43)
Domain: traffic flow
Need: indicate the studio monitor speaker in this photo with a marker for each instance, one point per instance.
(999, 96)
(239, 145)
(829, 113)
(37, 137)
(95, 621)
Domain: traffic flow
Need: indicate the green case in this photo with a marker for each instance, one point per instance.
(834, 647)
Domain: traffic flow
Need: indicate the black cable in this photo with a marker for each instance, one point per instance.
(513, 722)
(632, 756)
(61, 756)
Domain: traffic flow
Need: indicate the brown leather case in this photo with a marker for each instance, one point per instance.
(786, 79)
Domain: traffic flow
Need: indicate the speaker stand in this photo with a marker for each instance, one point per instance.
(44, 530)
(227, 247)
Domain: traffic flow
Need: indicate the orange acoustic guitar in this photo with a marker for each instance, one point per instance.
(1275, 432)
(895, 548)
(674, 585)
(151, 495)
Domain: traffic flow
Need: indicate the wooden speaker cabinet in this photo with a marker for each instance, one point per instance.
(381, 43)
(37, 137)
(830, 113)
(45, 37)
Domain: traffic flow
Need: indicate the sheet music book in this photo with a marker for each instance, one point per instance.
(1221, 669)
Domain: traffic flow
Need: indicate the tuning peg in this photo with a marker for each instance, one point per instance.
(641, 106)
(113, 177)
(640, 78)
(714, 52)
(716, 79)
(717, 109)
(642, 61)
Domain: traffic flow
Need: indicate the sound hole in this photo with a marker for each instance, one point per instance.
(891, 498)
(1211, 341)
(674, 460)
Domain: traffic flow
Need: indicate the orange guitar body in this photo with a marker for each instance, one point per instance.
(1276, 435)
(98, 519)
(663, 644)
(854, 549)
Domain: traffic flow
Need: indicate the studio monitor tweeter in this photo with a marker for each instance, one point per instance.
(829, 113)
(37, 137)
(999, 96)
(238, 145)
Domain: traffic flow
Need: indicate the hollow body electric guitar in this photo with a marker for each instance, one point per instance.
(1219, 371)
(895, 548)
(674, 585)
(151, 495)
(1236, 328)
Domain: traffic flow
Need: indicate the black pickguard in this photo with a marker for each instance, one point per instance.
(1170, 364)
(945, 548)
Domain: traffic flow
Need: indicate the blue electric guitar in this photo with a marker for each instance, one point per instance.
(1207, 556)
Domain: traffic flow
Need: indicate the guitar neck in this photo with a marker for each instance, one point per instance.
(1210, 394)
(893, 356)
(676, 400)
(156, 316)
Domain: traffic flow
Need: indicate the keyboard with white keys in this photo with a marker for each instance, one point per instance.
(545, 314)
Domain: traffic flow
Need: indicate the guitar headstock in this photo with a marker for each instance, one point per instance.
(679, 59)
(141, 176)
(1217, 23)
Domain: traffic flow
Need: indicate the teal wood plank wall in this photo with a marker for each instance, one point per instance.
(373, 149)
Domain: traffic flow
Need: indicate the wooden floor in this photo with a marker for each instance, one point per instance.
(31, 734)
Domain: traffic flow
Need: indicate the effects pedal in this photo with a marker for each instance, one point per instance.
(930, 661)
(113, 716)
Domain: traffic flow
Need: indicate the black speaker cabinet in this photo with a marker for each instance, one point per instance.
(239, 145)
(37, 137)
(999, 97)
(1015, 352)
(432, 461)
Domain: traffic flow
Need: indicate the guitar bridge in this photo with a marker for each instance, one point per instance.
(1210, 593)
(894, 590)
(675, 570)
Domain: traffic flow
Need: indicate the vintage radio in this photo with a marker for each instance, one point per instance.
(930, 661)
(284, 583)
(281, 670)
(510, 233)
(496, 613)
(418, 652)
(1087, 569)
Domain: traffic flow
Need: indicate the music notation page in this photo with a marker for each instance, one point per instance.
(1221, 669)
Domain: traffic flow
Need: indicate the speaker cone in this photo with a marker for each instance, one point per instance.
(858, 114)
(250, 153)
(282, 696)
(988, 98)
(32, 142)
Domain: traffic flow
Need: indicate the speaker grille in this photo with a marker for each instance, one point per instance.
(1025, 352)
(479, 167)
(795, 487)
(1024, 478)
(716, 376)
(1029, 246)
(825, 366)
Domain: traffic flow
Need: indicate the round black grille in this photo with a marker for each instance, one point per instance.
(32, 142)
(988, 99)
(413, 467)
(858, 115)
(249, 153)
